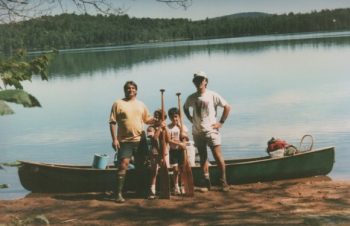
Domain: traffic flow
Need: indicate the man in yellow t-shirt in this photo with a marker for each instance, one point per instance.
(128, 115)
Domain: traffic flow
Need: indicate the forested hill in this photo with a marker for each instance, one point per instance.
(77, 31)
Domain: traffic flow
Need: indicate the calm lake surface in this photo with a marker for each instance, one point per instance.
(279, 86)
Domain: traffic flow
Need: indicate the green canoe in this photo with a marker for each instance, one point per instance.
(45, 177)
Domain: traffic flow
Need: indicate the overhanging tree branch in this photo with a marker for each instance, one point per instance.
(16, 10)
(177, 3)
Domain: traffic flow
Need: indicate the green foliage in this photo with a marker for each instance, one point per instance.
(2, 186)
(5, 109)
(15, 70)
(32, 220)
(19, 97)
(67, 31)
(11, 164)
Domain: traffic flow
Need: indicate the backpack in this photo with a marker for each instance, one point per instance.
(274, 144)
(279, 148)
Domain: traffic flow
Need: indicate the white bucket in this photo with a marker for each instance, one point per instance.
(279, 153)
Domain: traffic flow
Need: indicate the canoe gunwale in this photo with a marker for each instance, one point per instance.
(228, 162)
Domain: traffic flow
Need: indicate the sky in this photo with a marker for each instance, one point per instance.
(202, 9)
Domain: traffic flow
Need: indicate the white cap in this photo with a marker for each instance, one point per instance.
(200, 74)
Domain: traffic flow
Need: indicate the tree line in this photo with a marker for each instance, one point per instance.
(79, 31)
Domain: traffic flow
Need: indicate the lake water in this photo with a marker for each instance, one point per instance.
(282, 85)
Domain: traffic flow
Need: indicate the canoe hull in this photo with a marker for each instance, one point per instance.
(308, 164)
(43, 177)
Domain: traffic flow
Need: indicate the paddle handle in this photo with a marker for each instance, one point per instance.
(163, 118)
(180, 113)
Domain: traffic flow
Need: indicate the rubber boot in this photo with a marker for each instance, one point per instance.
(120, 184)
(223, 183)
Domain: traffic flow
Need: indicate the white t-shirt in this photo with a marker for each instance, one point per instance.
(174, 133)
(204, 110)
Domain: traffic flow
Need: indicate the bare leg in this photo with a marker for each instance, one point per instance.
(216, 150)
(203, 155)
(176, 179)
(154, 172)
(123, 165)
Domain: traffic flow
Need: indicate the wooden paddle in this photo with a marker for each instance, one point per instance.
(186, 176)
(164, 182)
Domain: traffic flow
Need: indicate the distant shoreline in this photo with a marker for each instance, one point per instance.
(67, 31)
(177, 43)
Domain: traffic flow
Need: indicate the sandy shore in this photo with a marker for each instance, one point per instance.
(317, 201)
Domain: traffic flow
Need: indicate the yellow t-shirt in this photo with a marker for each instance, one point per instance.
(130, 117)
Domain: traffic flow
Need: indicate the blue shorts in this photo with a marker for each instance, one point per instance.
(176, 157)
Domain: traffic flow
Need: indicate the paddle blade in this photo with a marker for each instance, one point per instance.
(164, 182)
(187, 177)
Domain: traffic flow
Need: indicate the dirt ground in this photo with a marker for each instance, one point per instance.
(309, 201)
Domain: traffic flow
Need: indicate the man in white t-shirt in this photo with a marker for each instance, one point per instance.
(205, 127)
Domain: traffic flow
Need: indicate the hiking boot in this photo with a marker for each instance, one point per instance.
(207, 183)
(224, 186)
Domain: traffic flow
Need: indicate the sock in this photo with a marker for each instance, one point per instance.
(153, 189)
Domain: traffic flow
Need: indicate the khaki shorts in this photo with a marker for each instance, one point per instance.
(210, 139)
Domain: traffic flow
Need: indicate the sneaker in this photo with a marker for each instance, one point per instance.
(225, 188)
(151, 196)
(182, 189)
(203, 189)
(177, 191)
(119, 198)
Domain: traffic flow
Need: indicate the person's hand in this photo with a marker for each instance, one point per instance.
(184, 136)
(160, 161)
(216, 125)
(182, 145)
(115, 144)
(163, 124)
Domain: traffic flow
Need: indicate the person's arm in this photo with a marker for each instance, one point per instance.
(150, 121)
(115, 142)
(187, 113)
(184, 135)
(225, 113)
(113, 126)
(175, 142)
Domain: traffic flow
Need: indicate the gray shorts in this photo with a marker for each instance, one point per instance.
(127, 150)
(210, 139)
